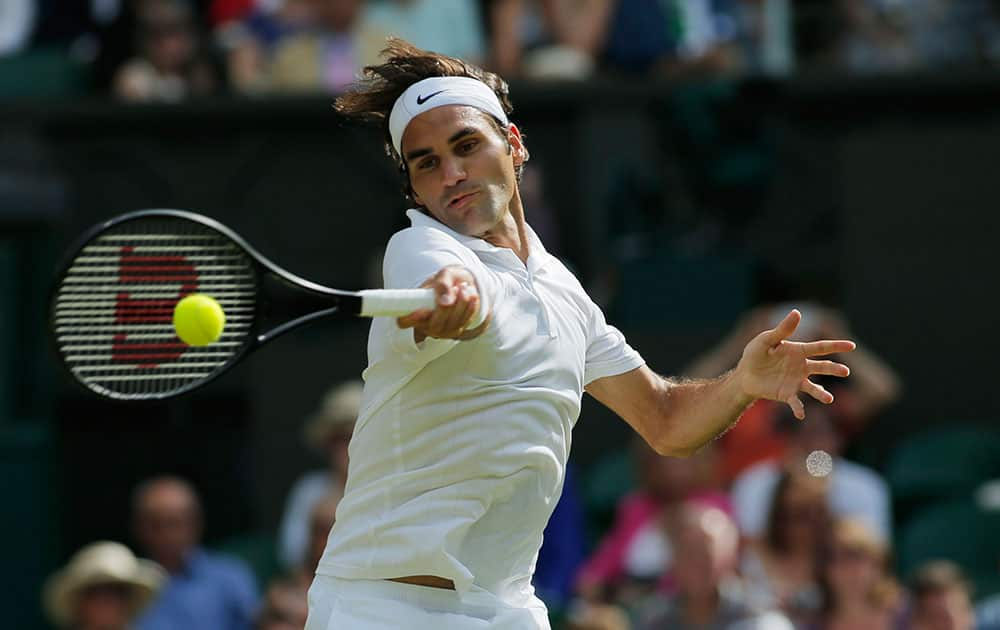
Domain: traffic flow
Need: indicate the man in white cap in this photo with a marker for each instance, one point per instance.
(460, 448)
(328, 431)
(104, 587)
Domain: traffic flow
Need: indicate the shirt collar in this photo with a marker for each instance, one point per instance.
(536, 248)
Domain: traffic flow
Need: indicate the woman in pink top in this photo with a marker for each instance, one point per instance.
(633, 557)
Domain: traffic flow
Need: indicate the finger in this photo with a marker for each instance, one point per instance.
(458, 315)
(447, 321)
(436, 323)
(784, 329)
(827, 368)
(820, 348)
(443, 284)
(414, 318)
(470, 298)
(446, 292)
(816, 391)
(797, 408)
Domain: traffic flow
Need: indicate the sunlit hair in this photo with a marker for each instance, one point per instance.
(938, 576)
(710, 521)
(371, 97)
(854, 535)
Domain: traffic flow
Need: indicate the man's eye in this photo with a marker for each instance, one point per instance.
(465, 147)
(427, 164)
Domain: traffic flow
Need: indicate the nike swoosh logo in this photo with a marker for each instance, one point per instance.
(423, 99)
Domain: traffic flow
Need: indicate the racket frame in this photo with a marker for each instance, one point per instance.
(340, 302)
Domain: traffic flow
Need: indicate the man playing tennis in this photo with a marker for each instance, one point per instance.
(459, 451)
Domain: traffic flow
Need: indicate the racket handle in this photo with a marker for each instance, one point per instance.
(395, 302)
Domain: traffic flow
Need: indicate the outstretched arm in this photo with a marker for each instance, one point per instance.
(458, 304)
(679, 417)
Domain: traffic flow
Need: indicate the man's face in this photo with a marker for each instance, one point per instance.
(103, 606)
(167, 524)
(706, 549)
(460, 168)
(945, 610)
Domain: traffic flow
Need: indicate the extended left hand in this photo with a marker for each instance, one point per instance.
(775, 368)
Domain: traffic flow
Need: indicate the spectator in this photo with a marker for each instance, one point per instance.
(766, 29)
(562, 550)
(854, 490)
(988, 609)
(450, 27)
(872, 386)
(901, 36)
(103, 587)
(674, 38)
(328, 430)
(781, 567)
(546, 38)
(988, 613)
(593, 616)
(225, 11)
(325, 56)
(942, 598)
(708, 595)
(249, 40)
(858, 590)
(321, 520)
(634, 556)
(875, 38)
(17, 22)
(171, 64)
(285, 607)
(205, 590)
(286, 601)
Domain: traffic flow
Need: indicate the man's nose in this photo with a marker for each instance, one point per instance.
(453, 171)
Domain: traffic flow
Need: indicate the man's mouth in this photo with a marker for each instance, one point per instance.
(461, 200)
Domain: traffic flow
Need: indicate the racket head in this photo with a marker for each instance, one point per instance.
(111, 308)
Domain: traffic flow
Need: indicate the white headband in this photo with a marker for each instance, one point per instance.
(435, 92)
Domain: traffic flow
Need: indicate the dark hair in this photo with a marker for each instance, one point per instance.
(370, 99)
(776, 532)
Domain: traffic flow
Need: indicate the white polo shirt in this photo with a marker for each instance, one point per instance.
(460, 448)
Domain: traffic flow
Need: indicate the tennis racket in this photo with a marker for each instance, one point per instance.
(112, 304)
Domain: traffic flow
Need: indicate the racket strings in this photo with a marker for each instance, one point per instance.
(113, 312)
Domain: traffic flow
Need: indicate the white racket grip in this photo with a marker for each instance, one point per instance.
(395, 302)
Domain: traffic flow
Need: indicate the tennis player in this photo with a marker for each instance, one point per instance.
(461, 443)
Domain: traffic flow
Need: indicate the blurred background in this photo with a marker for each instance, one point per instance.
(702, 165)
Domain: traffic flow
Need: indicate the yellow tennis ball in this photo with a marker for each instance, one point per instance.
(199, 320)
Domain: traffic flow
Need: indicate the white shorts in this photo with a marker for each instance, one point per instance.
(339, 604)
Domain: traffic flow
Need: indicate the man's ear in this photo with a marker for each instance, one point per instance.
(409, 188)
(519, 151)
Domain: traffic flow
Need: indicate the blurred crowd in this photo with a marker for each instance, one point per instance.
(742, 535)
(752, 532)
(166, 50)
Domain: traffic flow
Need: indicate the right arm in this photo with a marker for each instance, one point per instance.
(458, 306)
(465, 288)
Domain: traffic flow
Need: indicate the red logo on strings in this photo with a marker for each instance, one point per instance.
(166, 270)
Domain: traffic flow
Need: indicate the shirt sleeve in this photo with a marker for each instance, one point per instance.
(244, 596)
(415, 254)
(608, 354)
